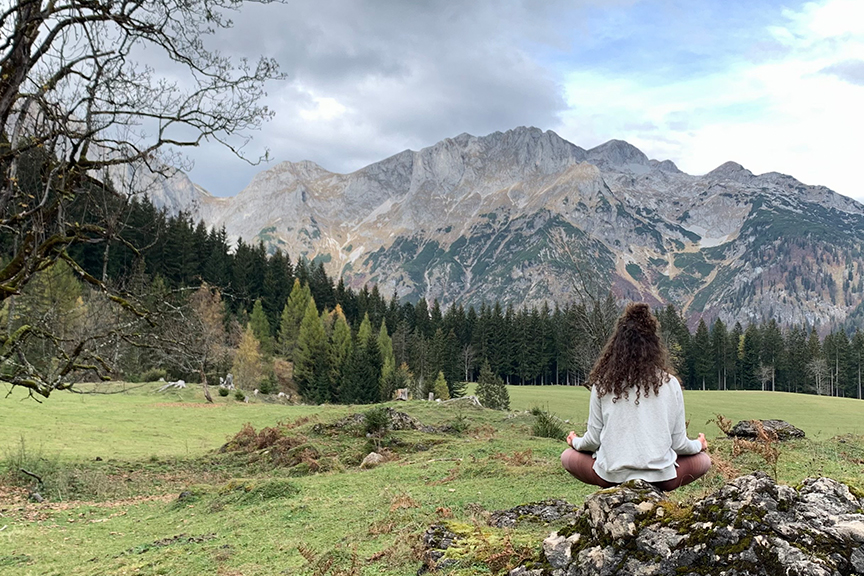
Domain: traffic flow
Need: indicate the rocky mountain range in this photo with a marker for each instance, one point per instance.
(526, 217)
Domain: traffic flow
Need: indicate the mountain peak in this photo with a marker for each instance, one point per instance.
(617, 153)
(730, 170)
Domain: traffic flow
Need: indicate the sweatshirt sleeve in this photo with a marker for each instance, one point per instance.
(590, 442)
(680, 443)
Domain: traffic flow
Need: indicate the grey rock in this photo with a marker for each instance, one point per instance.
(523, 571)
(372, 460)
(749, 527)
(852, 529)
(780, 428)
(545, 511)
(436, 540)
(857, 560)
(558, 549)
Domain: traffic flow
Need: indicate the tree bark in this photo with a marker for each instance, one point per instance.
(204, 384)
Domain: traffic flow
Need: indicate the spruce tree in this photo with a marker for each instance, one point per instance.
(362, 375)
(340, 351)
(750, 360)
(388, 361)
(796, 359)
(261, 328)
(491, 390)
(439, 387)
(857, 360)
(720, 352)
(248, 366)
(292, 315)
(703, 365)
(310, 357)
(772, 349)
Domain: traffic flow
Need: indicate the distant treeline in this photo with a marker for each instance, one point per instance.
(523, 346)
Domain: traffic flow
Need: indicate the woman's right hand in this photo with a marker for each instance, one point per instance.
(570, 438)
(703, 441)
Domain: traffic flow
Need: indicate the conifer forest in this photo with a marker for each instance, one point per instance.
(279, 324)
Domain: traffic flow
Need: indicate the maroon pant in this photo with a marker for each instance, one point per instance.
(581, 466)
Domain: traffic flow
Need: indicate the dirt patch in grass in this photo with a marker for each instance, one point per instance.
(180, 539)
(184, 405)
(25, 511)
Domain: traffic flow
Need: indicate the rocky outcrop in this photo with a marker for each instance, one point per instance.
(546, 511)
(752, 526)
(396, 421)
(781, 429)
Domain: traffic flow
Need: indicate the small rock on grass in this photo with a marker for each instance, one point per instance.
(372, 460)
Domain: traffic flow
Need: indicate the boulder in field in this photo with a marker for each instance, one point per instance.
(372, 460)
(780, 428)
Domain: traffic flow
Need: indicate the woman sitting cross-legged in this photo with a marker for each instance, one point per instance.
(636, 425)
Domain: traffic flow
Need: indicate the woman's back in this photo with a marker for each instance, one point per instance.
(638, 440)
(636, 422)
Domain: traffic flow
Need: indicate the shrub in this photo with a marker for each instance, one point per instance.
(267, 385)
(152, 375)
(223, 391)
(547, 425)
(491, 390)
(460, 423)
(239, 395)
(376, 422)
(440, 387)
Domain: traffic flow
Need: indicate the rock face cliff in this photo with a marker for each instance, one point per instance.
(515, 216)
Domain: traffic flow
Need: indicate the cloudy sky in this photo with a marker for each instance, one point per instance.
(774, 85)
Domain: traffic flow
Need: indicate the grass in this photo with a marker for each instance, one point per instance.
(242, 515)
(820, 417)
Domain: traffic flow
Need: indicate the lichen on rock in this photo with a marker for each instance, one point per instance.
(751, 526)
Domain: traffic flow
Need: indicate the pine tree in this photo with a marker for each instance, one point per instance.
(703, 365)
(736, 344)
(439, 387)
(310, 357)
(857, 360)
(491, 390)
(750, 360)
(364, 333)
(361, 382)
(720, 352)
(292, 315)
(796, 359)
(248, 366)
(772, 352)
(388, 361)
(340, 351)
(261, 328)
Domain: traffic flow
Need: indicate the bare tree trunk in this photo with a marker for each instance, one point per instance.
(205, 386)
(105, 262)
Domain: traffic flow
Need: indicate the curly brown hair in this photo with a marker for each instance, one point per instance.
(634, 357)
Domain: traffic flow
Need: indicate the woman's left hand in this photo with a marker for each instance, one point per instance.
(570, 438)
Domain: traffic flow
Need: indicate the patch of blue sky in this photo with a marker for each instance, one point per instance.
(673, 40)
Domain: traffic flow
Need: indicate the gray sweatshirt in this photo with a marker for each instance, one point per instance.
(632, 441)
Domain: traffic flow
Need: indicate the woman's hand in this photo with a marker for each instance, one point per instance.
(703, 442)
(570, 438)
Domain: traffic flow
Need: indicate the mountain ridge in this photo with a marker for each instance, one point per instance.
(474, 218)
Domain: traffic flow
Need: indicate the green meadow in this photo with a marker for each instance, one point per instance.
(114, 466)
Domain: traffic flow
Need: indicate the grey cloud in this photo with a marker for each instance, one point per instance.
(408, 73)
(851, 71)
